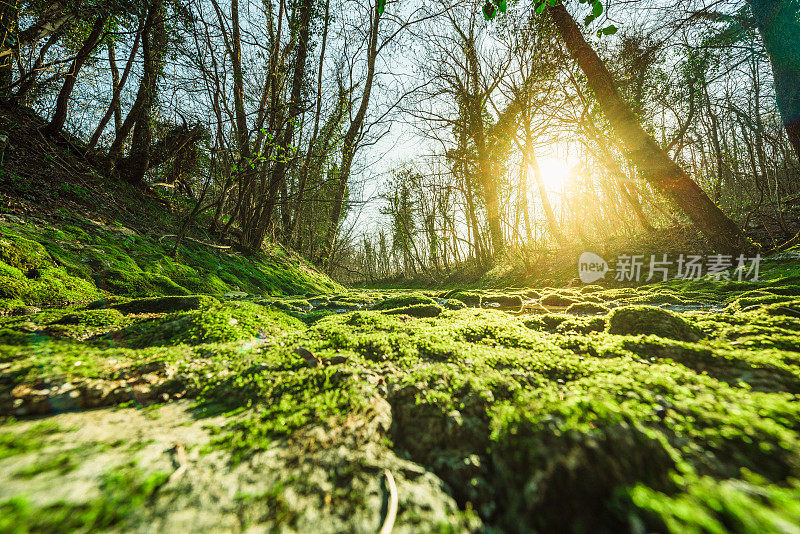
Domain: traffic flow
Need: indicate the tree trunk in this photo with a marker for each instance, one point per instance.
(242, 134)
(153, 49)
(656, 166)
(486, 174)
(301, 186)
(778, 23)
(278, 176)
(349, 143)
(62, 102)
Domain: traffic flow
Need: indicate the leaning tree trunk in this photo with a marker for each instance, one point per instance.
(138, 119)
(779, 25)
(349, 145)
(62, 102)
(654, 163)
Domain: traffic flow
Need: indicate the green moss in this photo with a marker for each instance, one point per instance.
(166, 304)
(124, 492)
(50, 286)
(107, 317)
(221, 323)
(417, 310)
(758, 298)
(557, 300)
(470, 298)
(453, 304)
(14, 442)
(61, 463)
(635, 320)
(586, 308)
(11, 272)
(591, 289)
(9, 305)
(23, 254)
(505, 301)
(411, 299)
(704, 504)
(293, 401)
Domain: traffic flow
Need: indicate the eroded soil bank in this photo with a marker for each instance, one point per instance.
(490, 411)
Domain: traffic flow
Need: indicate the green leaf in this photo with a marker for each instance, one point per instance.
(502, 5)
(610, 30)
(381, 6)
(489, 11)
(597, 8)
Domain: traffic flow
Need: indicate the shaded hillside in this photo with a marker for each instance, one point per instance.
(69, 235)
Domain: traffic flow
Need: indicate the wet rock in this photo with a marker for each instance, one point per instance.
(166, 304)
(504, 301)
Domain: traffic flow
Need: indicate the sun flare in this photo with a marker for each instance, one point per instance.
(554, 172)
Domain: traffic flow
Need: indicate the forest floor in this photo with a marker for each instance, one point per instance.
(141, 407)
(212, 391)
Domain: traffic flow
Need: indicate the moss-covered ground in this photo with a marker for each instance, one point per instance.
(220, 392)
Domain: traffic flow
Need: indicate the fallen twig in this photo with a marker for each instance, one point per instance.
(193, 240)
(179, 453)
(391, 513)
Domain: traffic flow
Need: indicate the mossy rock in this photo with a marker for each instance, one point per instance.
(106, 317)
(222, 323)
(657, 298)
(11, 272)
(786, 309)
(555, 299)
(582, 325)
(453, 304)
(417, 310)
(586, 308)
(469, 298)
(591, 289)
(576, 475)
(289, 305)
(166, 304)
(164, 285)
(413, 299)
(137, 283)
(23, 254)
(505, 301)
(127, 283)
(647, 320)
(7, 306)
(758, 298)
(51, 286)
(532, 294)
